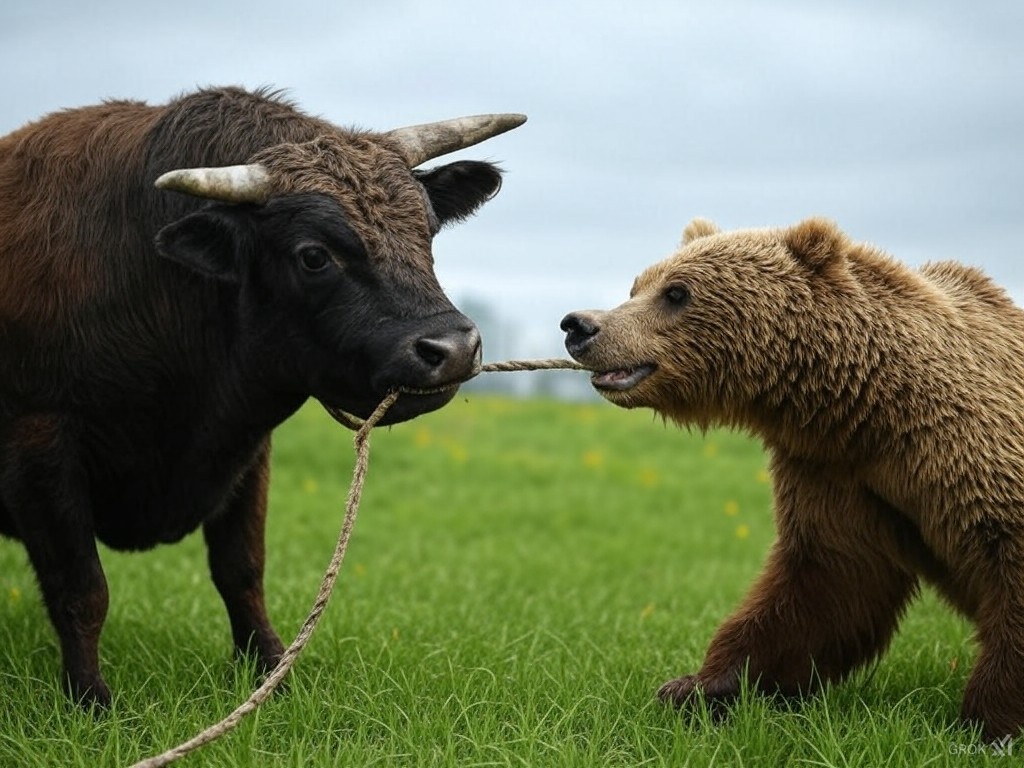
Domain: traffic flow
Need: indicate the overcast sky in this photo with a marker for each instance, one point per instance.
(903, 121)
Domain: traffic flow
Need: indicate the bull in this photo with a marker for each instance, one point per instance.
(175, 281)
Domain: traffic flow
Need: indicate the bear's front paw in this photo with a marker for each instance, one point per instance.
(683, 691)
(679, 691)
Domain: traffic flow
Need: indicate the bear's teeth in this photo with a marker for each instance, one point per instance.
(621, 378)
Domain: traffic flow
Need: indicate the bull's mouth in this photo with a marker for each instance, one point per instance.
(621, 379)
(410, 404)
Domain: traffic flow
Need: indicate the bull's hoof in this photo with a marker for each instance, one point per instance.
(264, 657)
(265, 650)
(91, 694)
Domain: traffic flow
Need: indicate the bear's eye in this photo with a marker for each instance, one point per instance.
(677, 295)
(314, 257)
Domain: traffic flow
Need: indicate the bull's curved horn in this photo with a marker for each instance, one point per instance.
(231, 183)
(419, 143)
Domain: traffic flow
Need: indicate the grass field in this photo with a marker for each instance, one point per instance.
(522, 578)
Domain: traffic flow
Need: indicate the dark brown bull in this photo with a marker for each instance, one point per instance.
(151, 341)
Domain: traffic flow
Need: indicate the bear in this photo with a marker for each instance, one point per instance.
(890, 402)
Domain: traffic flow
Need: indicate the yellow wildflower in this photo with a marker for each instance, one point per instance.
(649, 478)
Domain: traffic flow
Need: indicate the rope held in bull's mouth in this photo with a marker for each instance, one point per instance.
(355, 423)
(291, 653)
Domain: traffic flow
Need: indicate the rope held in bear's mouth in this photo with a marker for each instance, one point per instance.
(362, 448)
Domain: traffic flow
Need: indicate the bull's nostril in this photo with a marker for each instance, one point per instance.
(432, 351)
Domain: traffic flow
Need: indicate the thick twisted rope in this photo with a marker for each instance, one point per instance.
(531, 365)
(355, 492)
(355, 423)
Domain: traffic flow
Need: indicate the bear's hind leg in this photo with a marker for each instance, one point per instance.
(828, 600)
(994, 697)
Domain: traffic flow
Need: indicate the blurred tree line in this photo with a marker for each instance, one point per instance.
(503, 339)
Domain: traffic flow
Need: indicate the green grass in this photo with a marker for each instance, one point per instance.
(522, 578)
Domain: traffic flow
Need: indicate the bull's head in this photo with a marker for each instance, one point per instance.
(328, 244)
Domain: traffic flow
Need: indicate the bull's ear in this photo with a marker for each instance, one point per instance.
(206, 242)
(456, 190)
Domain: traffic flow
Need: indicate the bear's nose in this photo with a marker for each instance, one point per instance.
(580, 329)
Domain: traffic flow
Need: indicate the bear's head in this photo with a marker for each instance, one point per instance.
(707, 331)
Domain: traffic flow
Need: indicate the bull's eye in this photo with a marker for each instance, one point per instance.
(677, 295)
(314, 257)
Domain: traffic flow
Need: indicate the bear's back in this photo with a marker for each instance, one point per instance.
(971, 289)
(992, 322)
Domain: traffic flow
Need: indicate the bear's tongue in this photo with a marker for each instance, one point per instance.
(622, 378)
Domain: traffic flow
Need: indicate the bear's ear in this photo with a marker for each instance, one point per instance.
(815, 242)
(698, 228)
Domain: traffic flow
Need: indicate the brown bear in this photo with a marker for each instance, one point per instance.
(891, 403)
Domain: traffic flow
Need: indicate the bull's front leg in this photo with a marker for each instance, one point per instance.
(235, 550)
(45, 492)
(828, 600)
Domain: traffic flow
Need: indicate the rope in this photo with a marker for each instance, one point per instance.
(355, 492)
(531, 365)
(354, 422)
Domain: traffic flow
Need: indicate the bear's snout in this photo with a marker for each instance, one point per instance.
(580, 329)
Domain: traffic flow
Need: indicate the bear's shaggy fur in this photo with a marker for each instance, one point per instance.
(891, 402)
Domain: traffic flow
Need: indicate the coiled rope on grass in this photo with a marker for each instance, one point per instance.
(361, 442)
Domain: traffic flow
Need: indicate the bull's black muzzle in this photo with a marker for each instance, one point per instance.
(440, 351)
(423, 358)
(446, 357)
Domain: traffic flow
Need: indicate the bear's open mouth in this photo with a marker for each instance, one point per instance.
(622, 379)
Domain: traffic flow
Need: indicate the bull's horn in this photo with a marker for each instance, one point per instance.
(420, 143)
(231, 183)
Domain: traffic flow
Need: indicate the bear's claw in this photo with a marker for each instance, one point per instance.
(679, 691)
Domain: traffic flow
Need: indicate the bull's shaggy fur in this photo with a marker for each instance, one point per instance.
(150, 341)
